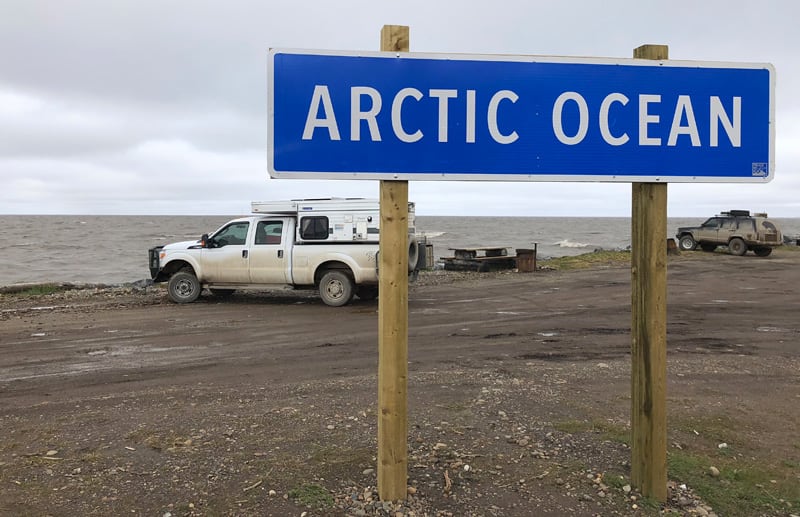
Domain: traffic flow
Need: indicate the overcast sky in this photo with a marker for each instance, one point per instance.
(159, 107)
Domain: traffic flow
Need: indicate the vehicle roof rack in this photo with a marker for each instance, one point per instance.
(737, 213)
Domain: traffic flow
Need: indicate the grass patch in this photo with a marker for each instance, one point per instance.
(615, 480)
(614, 432)
(608, 431)
(34, 290)
(588, 260)
(573, 426)
(791, 464)
(312, 495)
(455, 407)
(159, 442)
(711, 430)
(748, 483)
(743, 487)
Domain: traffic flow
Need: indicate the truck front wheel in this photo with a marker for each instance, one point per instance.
(184, 287)
(687, 243)
(336, 288)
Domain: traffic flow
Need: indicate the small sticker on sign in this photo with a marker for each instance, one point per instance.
(759, 169)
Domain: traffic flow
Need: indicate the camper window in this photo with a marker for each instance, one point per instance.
(314, 228)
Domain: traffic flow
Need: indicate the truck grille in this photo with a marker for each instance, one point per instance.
(153, 255)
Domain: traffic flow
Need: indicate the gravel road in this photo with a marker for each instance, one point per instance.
(115, 401)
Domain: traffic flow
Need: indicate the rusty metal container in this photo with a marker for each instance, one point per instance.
(526, 260)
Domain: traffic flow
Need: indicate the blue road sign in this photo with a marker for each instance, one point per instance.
(384, 115)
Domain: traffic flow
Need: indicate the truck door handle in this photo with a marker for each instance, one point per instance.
(244, 253)
(280, 253)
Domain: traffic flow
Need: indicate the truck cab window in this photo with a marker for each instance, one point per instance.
(314, 228)
(269, 232)
(234, 234)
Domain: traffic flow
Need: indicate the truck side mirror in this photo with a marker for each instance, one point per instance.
(204, 240)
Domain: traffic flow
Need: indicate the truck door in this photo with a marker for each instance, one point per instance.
(709, 230)
(727, 229)
(269, 255)
(225, 260)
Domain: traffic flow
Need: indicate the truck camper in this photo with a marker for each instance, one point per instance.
(326, 244)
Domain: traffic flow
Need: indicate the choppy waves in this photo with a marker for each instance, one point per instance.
(113, 249)
(566, 243)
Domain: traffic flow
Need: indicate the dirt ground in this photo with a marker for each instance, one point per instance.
(116, 401)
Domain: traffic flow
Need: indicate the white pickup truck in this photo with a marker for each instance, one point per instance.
(326, 244)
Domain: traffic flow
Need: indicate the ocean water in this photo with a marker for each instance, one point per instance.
(113, 249)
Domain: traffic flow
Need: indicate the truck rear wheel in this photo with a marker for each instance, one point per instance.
(184, 287)
(737, 246)
(336, 288)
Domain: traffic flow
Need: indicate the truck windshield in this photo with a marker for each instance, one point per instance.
(233, 234)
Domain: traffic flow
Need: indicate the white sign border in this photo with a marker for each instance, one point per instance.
(435, 176)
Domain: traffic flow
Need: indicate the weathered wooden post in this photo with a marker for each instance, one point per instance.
(649, 328)
(393, 320)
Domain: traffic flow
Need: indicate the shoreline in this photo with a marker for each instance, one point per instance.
(597, 258)
(147, 282)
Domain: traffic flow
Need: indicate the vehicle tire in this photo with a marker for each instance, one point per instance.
(222, 293)
(687, 243)
(413, 254)
(737, 247)
(336, 288)
(184, 287)
(763, 252)
(367, 292)
(707, 247)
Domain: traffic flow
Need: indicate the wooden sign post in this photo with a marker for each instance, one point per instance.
(393, 320)
(649, 328)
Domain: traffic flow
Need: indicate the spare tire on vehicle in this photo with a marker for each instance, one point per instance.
(413, 253)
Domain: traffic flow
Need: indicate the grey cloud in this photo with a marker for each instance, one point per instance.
(160, 107)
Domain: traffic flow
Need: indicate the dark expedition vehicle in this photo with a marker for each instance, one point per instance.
(737, 229)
